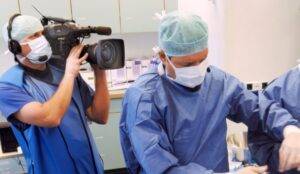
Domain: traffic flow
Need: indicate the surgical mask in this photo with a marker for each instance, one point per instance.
(40, 50)
(191, 76)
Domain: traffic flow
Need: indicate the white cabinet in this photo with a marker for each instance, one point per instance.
(123, 16)
(107, 138)
(171, 5)
(54, 8)
(138, 15)
(97, 13)
(7, 10)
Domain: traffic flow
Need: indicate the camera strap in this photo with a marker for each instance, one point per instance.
(45, 75)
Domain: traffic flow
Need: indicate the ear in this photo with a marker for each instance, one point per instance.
(25, 50)
(162, 57)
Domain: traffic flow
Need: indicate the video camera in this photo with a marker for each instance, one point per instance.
(64, 34)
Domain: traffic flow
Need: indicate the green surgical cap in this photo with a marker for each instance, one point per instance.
(182, 34)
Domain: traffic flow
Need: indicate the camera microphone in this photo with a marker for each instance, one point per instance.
(101, 30)
(88, 30)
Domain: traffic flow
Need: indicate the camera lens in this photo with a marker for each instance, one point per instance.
(108, 52)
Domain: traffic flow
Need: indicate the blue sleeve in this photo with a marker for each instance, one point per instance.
(147, 136)
(12, 100)
(128, 152)
(243, 104)
(276, 116)
(258, 112)
(86, 92)
(264, 148)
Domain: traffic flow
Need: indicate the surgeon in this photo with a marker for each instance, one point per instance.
(47, 107)
(269, 149)
(174, 117)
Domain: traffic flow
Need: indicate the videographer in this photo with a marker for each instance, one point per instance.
(47, 107)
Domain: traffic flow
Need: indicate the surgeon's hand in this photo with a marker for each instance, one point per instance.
(289, 153)
(74, 62)
(253, 170)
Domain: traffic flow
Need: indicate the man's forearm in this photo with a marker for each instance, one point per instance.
(57, 105)
(50, 113)
(100, 106)
(274, 117)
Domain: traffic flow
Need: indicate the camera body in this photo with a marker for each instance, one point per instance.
(64, 34)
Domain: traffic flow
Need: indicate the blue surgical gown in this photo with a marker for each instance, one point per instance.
(66, 149)
(286, 91)
(167, 128)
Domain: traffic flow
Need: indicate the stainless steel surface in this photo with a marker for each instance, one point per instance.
(10, 155)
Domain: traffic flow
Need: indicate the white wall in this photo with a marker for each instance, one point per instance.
(255, 40)
(6, 61)
(262, 38)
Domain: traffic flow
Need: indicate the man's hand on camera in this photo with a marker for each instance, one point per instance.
(99, 73)
(74, 62)
(94, 66)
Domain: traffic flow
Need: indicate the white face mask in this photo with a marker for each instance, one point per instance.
(40, 50)
(191, 76)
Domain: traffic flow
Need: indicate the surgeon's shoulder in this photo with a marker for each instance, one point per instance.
(220, 75)
(13, 76)
(146, 84)
(290, 79)
(225, 81)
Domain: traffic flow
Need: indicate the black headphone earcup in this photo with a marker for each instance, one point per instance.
(14, 47)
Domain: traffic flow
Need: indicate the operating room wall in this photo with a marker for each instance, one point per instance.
(255, 40)
(262, 38)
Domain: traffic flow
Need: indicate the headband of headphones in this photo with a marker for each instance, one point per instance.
(13, 45)
(9, 27)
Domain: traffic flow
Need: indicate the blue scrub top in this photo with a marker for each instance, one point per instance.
(168, 128)
(286, 91)
(66, 149)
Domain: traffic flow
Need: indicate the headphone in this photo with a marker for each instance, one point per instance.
(13, 45)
